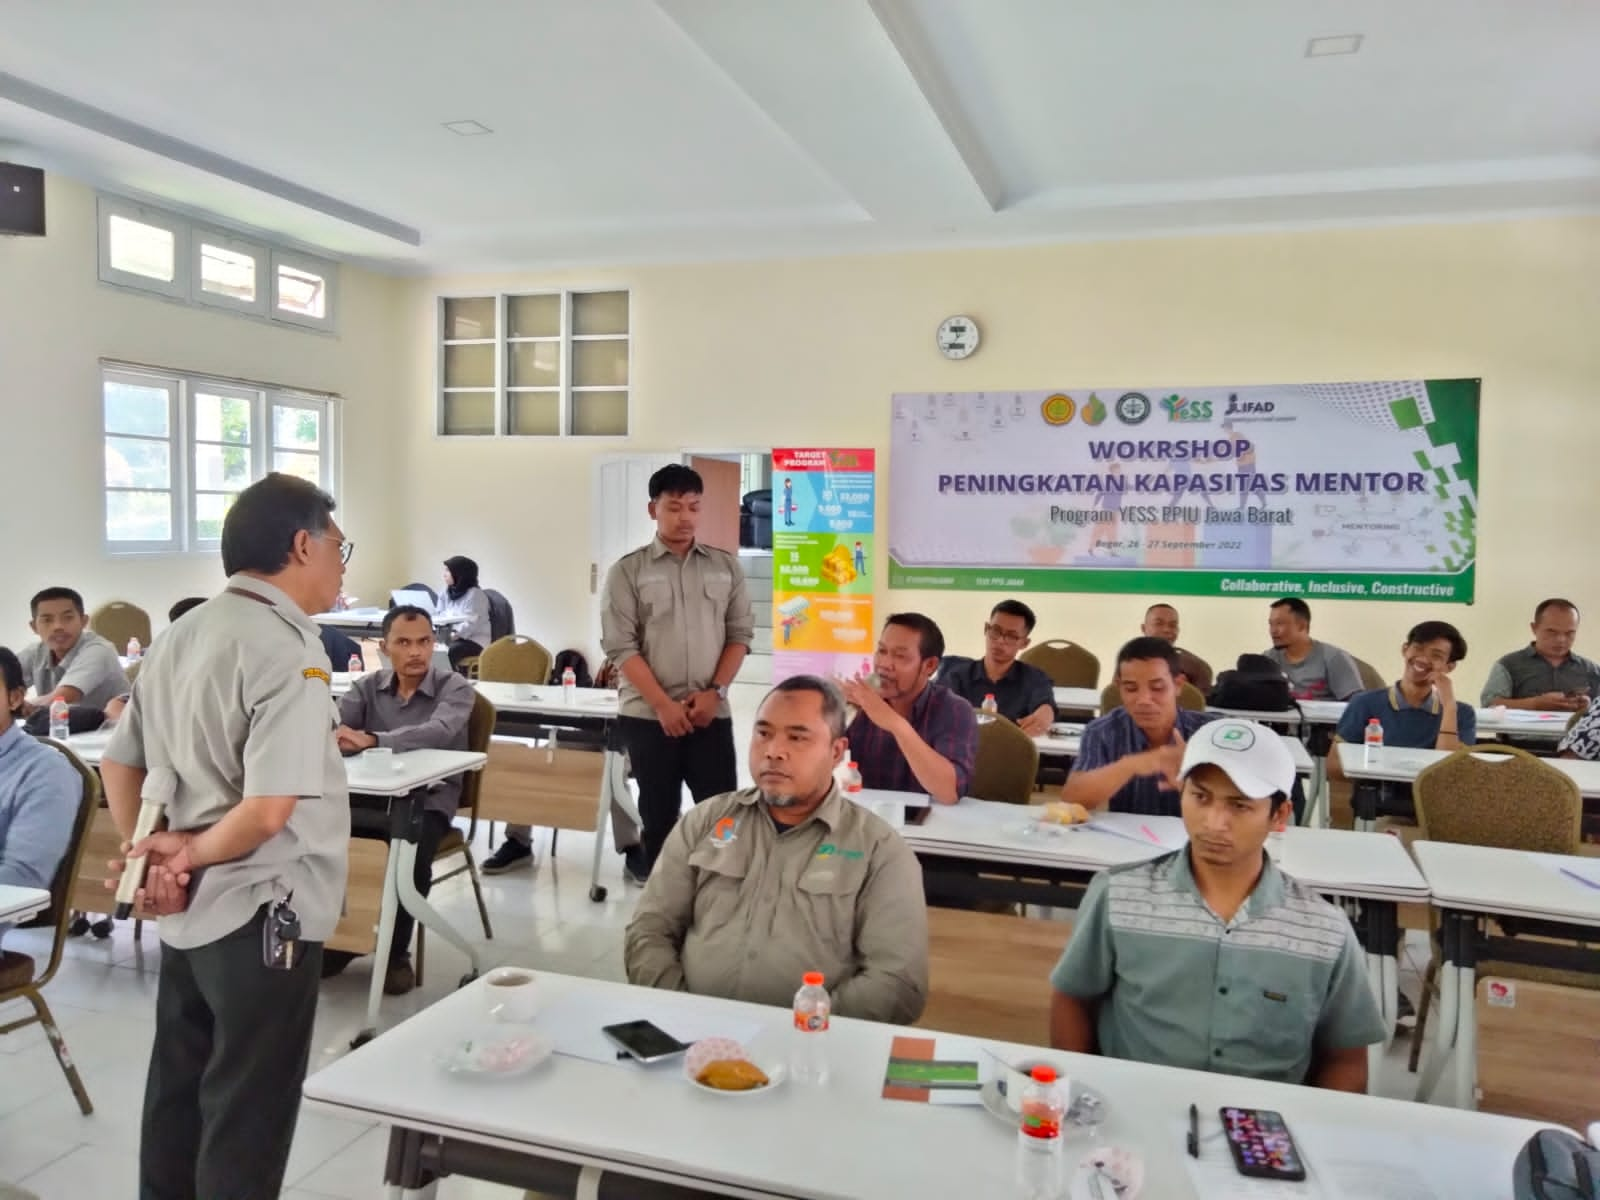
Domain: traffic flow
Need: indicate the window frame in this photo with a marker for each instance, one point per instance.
(202, 236)
(175, 289)
(183, 388)
(322, 268)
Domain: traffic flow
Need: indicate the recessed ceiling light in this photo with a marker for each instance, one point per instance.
(1324, 47)
(468, 128)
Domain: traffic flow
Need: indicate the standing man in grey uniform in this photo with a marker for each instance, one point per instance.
(231, 727)
(676, 621)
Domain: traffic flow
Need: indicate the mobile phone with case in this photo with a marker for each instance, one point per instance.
(1261, 1145)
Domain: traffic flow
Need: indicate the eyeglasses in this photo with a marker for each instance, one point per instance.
(1007, 636)
(346, 548)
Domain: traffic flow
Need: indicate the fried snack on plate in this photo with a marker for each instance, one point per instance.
(1061, 812)
(732, 1075)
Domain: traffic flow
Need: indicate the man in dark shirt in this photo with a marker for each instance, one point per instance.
(910, 734)
(413, 706)
(1130, 757)
(1545, 674)
(1022, 693)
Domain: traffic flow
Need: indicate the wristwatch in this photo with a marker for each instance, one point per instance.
(720, 690)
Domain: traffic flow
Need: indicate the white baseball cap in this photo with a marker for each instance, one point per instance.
(1251, 755)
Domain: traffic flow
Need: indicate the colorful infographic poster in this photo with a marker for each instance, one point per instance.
(824, 561)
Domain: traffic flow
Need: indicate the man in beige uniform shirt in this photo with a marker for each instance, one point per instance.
(231, 728)
(757, 887)
(676, 621)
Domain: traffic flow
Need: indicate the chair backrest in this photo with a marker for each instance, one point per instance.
(117, 621)
(1007, 763)
(501, 622)
(1189, 697)
(480, 729)
(580, 668)
(67, 870)
(1371, 680)
(514, 659)
(1511, 800)
(1067, 663)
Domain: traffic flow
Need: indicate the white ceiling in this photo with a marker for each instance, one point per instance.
(682, 129)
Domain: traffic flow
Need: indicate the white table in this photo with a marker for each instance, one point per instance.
(1470, 883)
(20, 903)
(1066, 741)
(1078, 699)
(402, 775)
(839, 1142)
(1394, 764)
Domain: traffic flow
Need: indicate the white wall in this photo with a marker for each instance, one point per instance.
(808, 352)
(57, 321)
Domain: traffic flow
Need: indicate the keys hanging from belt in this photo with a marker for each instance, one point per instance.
(280, 935)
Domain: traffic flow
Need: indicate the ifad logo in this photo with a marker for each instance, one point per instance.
(1181, 408)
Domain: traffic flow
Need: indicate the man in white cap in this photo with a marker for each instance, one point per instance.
(1210, 957)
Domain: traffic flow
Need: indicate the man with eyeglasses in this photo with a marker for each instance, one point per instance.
(1021, 692)
(231, 728)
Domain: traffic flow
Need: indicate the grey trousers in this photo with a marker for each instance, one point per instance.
(232, 1041)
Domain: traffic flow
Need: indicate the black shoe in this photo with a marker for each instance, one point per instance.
(633, 869)
(512, 855)
(335, 961)
(1406, 1015)
(399, 978)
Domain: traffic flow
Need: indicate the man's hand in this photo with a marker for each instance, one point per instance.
(354, 739)
(1037, 723)
(675, 718)
(871, 705)
(1165, 761)
(702, 707)
(1561, 702)
(168, 869)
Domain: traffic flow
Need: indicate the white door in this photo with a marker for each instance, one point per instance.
(621, 518)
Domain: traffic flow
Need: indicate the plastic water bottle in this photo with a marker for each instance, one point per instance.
(569, 686)
(1373, 742)
(135, 650)
(59, 727)
(988, 708)
(356, 665)
(808, 1062)
(852, 777)
(1040, 1175)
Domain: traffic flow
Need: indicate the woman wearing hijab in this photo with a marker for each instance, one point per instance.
(464, 601)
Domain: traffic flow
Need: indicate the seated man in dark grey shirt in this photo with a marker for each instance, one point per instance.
(413, 706)
(1022, 693)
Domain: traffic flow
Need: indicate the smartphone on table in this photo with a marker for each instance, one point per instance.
(1261, 1145)
(643, 1041)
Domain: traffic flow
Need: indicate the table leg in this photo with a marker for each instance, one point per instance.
(417, 905)
(1318, 809)
(1467, 1021)
(1445, 1030)
(613, 790)
(388, 907)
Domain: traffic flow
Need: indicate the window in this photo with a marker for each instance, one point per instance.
(179, 448)
(156, 251)
(547, 364)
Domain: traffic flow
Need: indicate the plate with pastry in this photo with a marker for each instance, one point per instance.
(723, 1067)
(1057, 817)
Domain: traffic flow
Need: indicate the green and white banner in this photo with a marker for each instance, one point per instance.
(1352, 490)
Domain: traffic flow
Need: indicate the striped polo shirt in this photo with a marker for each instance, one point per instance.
(1254, 996)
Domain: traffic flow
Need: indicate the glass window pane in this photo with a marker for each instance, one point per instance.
(221, 466)
(132, 463)
(209, 509)
(469, 317)
(535, 364)
(600, 364)
(306, 466)
(134, 409)
(468, 413)
(534, 316)
(469, 366)
(296, 428)
(302, 292)
(221, 419)
(600, 414)
(599, 312)
(225, 272)
(141, 249)
(533, 413)
(138, 516)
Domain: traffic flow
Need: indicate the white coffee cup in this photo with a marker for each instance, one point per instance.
(522, 691)
(512, 995)
(381, 758)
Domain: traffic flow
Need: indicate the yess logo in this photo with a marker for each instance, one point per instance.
(829, 850)
(1181, 408)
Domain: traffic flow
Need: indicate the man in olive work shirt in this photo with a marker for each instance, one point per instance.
(677, 622)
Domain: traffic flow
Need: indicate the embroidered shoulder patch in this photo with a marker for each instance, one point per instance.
(318, 673)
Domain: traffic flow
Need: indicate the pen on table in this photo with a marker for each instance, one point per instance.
(1583, 879)
(1194, 1132)
(1149, 833)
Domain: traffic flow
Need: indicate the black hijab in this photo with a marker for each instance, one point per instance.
(463, 576)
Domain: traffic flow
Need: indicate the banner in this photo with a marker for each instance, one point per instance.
(1353, 490)
(822, 562)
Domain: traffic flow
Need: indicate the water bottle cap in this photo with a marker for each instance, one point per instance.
(1044, 1074)
(853, 765)
(812, 979)
(1375, 721)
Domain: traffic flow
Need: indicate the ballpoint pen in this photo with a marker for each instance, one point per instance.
(1194, 1132)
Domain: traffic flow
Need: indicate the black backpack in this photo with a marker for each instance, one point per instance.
(1256, 684)
(1554, 1165)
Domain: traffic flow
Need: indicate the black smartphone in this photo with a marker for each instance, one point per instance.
(643, 1041)
(1261, 1145)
